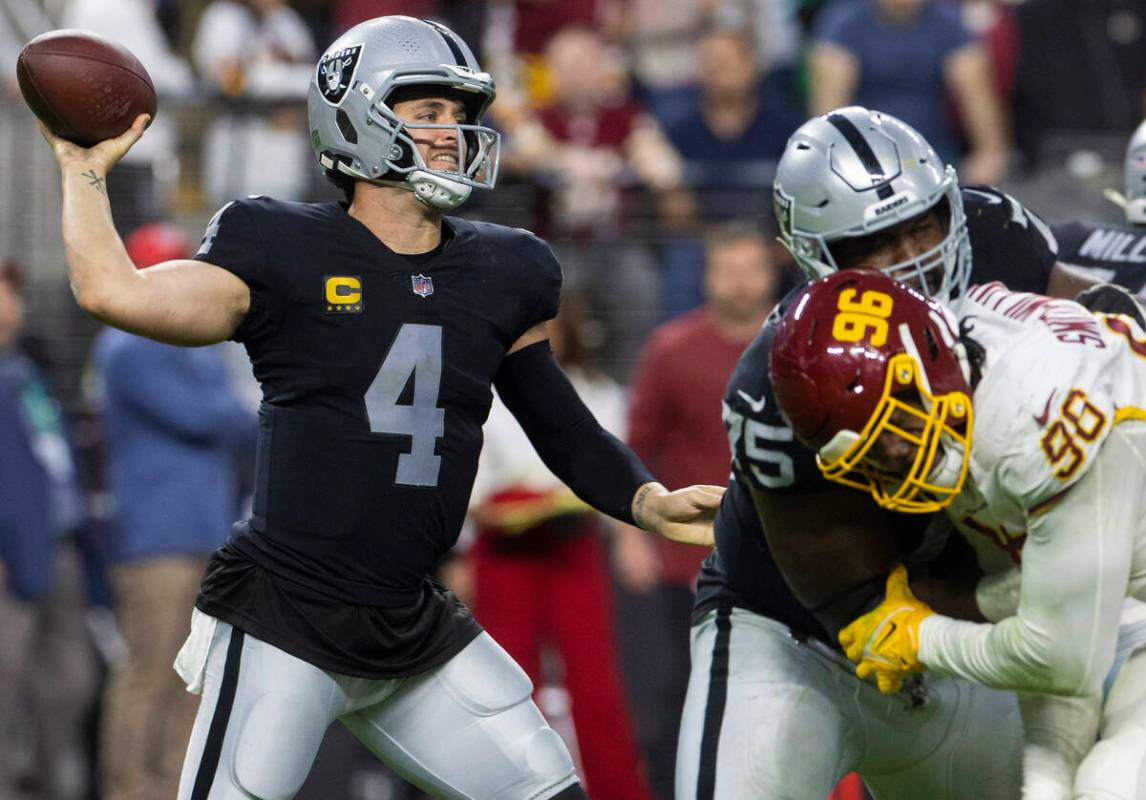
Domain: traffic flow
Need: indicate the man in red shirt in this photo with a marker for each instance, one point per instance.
(588, 149)
(675, 427)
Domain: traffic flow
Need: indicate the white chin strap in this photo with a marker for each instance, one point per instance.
(437, 191)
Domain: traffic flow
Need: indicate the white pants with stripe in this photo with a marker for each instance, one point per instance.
(467, 729)
(770, 718)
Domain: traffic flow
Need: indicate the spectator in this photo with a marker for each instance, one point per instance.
(173, 431)
(776, 25)
(903, 57)
(730, 141)
(467, 18)
(539, 573)
(661, 40)
(47, 673)
(740, 113)
(674, 423)
(257, 57)
(139, 194)
(519, 35)
(995, 24)
(589, 146)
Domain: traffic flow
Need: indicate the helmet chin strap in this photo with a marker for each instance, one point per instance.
(437, 191)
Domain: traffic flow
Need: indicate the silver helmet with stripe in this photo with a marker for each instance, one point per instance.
(854, 172)
(354, 130)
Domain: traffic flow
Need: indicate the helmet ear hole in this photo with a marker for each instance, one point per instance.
(401, 154)
(346, 127)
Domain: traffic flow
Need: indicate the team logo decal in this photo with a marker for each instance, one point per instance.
(422, 285)
(336, 73)
(343, 294)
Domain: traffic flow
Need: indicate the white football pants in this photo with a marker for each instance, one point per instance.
(467, 729)
(771, 718)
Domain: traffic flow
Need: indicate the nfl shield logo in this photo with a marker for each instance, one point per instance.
(423, 285)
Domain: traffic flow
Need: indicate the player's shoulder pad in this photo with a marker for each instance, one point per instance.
(1040, 418)
(249, 215)
(262, 205)
(983, 200)
(982, 196)
(997, 221)
(987, 209)
(986, 204)
(507, 245)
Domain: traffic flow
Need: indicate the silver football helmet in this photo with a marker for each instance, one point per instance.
(1133, 202)
(853, 172)
(355, 132)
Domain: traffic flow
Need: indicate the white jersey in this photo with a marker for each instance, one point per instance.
(1056, 483)
(1057, 379)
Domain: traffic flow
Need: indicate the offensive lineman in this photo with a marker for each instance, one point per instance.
(1025, 420)
(376, 327)
(773, 708)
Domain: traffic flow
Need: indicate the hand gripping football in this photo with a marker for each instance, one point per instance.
(84, 87)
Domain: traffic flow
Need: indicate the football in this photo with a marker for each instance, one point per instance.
(83, 87)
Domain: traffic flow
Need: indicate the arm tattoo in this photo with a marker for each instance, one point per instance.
(95, 180)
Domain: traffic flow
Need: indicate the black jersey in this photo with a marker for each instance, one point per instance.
(376, 371)
(1008, 244)
(1111, 253)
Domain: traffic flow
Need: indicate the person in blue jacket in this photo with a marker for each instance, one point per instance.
(46, 668)
(175, 434)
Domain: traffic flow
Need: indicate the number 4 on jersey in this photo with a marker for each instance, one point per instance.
(417, 352)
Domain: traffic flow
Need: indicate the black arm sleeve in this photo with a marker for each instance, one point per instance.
(594, 463)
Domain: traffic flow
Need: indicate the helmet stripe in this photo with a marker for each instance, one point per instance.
(447, 34)
(866, 155)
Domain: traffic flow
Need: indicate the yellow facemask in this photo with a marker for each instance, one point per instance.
(942, 447)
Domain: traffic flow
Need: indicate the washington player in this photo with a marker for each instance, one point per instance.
(1029, 430)
(773, 708)
(376, 327)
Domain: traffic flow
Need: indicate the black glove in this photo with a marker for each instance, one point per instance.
(1108, 298)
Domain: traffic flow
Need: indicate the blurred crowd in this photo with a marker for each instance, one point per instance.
(640, 139)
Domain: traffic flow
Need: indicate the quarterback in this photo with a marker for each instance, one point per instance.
(1025, 420)
(377, 328)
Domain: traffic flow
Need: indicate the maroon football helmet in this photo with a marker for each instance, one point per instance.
(863, 366)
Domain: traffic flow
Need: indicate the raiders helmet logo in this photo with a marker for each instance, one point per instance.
(336, 73)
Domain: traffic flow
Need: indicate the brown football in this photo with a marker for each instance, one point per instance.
(84, 87)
